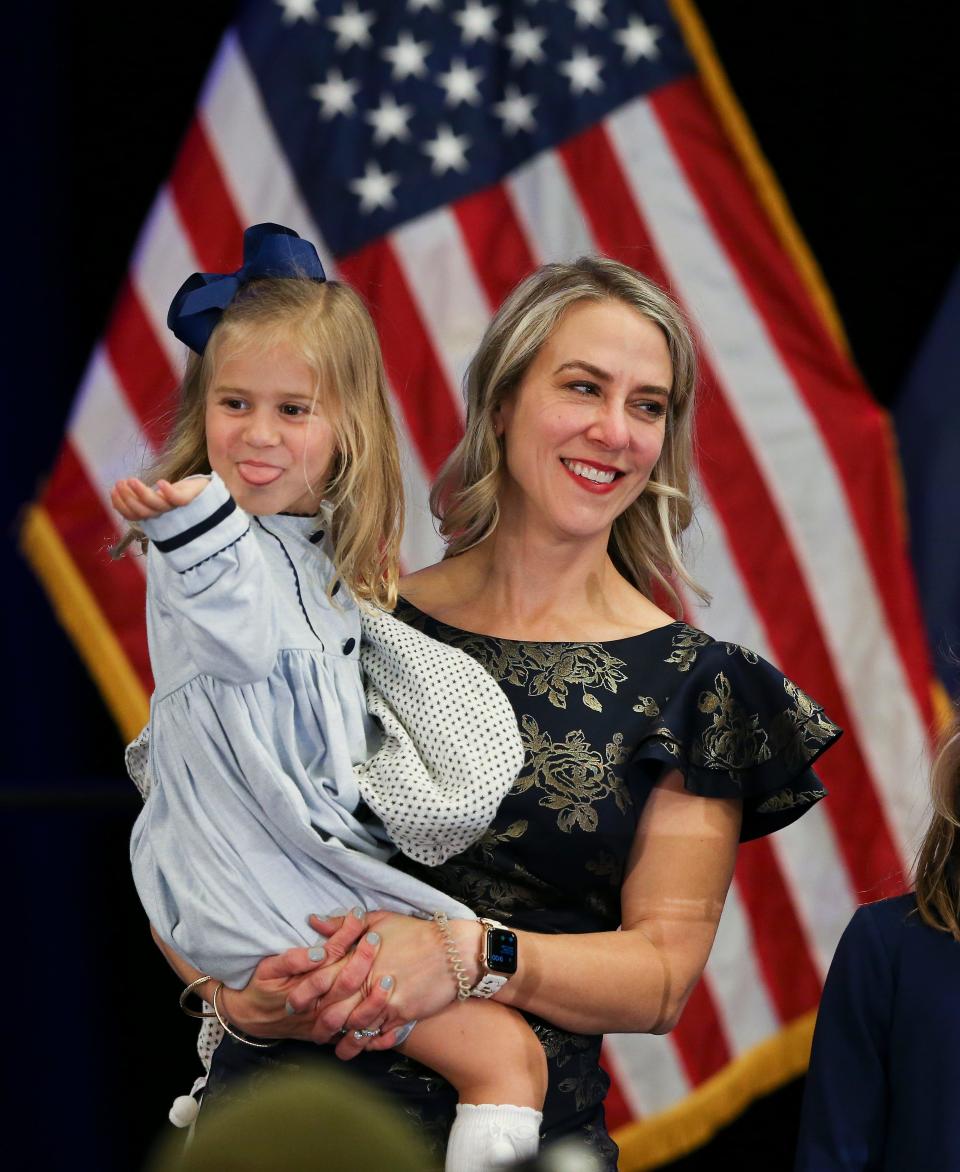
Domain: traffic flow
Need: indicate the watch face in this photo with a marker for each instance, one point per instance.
(501, 950)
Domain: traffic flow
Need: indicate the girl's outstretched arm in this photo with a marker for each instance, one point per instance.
(136, 502)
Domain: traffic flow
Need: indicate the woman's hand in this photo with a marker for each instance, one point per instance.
(264, 1008)
(412, 952)
(261, 1008)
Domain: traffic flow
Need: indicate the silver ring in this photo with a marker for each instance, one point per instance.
(362, 1035)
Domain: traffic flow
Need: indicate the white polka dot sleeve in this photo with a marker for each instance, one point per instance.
(452, 748)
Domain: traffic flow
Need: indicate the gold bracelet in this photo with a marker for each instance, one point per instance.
(228, 1028)
(186, 993)
(453, 956)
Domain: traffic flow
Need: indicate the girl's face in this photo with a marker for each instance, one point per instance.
(269, 437)
(585, 426)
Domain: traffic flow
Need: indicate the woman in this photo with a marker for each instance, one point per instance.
(882, 1086)
(650, 748)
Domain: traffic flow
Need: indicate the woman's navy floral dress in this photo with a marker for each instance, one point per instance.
(601, 723)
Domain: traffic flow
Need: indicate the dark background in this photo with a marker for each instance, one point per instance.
(856, 107)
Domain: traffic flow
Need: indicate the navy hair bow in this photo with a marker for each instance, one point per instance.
(269, 250)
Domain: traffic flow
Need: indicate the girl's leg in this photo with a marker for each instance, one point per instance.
(493, 1058)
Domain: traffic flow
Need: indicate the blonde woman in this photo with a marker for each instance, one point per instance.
(651, 748)
(881, 1090)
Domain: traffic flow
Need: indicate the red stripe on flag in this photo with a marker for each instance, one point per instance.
(854, 428)
(495, 241)
(205, 205)
(778, 936)
(699, 1036)
(414, 370)
(87, 530)
(141, 365)
(756, 537)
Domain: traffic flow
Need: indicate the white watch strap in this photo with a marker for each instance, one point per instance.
(488, 984)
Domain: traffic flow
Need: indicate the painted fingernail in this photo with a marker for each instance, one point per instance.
(288, 1009)
(373, 938)
(404, 1032)
(386, 982)
(317, 953)
(358, 912)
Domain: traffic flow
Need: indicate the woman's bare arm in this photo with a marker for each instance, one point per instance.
(633, 980)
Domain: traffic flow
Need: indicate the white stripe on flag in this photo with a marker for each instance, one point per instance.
(797, 468)
(450, 301)
(648, 1071)
(253, 163)
(548, 210)
(736, 983)
(105, 433)
(162, 261)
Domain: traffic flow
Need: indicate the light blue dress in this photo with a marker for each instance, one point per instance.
(257, 815)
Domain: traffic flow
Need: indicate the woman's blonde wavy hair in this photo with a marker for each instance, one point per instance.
(331, 329)
(938, 860)
(645, 539)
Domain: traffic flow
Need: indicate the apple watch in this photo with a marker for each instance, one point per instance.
(498, 958)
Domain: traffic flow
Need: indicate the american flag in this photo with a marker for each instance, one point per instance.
(437, 151)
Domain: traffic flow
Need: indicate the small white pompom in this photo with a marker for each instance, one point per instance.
(183, 1110)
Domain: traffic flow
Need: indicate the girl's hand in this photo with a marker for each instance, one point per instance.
(134, 501)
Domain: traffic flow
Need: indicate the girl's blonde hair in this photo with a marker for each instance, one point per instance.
(331, 329)
(938, 860)
(644, 541)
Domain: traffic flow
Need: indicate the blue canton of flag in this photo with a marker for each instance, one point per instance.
(394, 109)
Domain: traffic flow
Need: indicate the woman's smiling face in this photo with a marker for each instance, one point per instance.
(585, 427)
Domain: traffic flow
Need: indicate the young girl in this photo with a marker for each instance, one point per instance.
(881, 1091)
(275, 508)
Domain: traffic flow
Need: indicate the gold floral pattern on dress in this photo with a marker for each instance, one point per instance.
(647, 706)
(736, 648)
(488, 842)
(545, 669)
(685, 646)
(734, 740)
(559, 1045)
(574, 777)
(492, 890)
(787, 799)
(803, 730)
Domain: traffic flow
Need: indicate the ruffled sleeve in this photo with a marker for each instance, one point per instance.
(736, 727)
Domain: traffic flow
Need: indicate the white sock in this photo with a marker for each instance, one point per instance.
(486, 1136)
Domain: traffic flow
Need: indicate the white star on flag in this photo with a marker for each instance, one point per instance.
(294, 10)
(639, 39)
(583, 72)
(390, 120)
(335, 95)
(589, 12)
(407, 57)
(476, 21)
(516, 110)
(375, 188)
(352, 26)
(525, 43)
(448, 151)
(461, 83)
